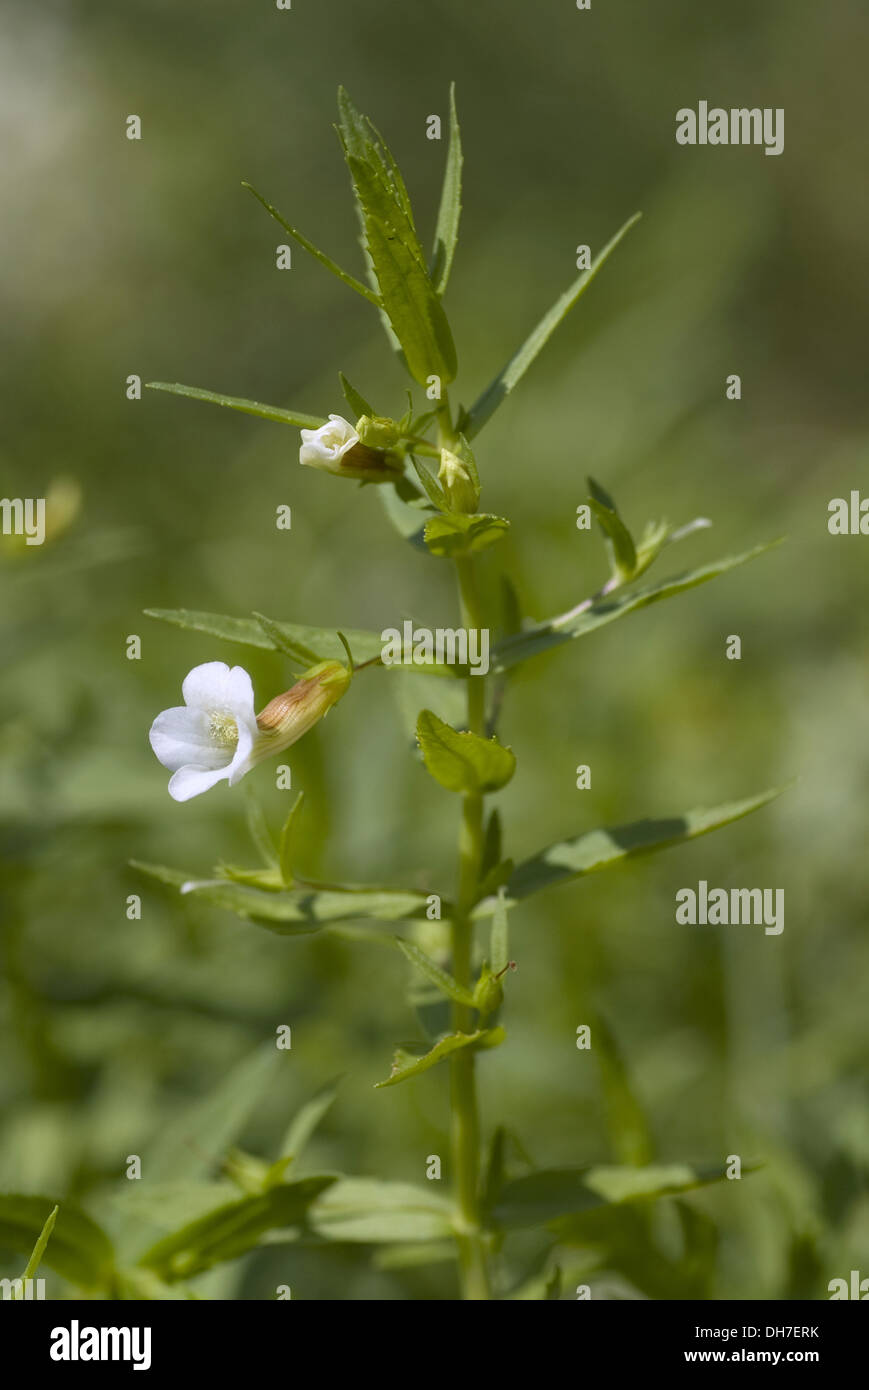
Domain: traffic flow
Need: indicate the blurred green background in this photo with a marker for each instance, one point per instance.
(149, 258)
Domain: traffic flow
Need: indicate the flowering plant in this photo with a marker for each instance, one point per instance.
(423, 463)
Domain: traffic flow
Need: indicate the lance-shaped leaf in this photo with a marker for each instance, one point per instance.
(258, 827)
(602, 849)
(265, 412)
(463, 762)
(232, 1230)
(79, 1249)
(447, 230)
(38, 1251)
(302, 1126)
(441, 980)
(630, 1137)
(300, 643)
(557, 1193)
(457, 534)
(298, 911)
(406, 1064)
(407, 294)
(357, 402)
(190, 1144)
(623, 551)
(430, 485)
(308, 644)
(497, 391)
(314, 251)
(287, 842)
(371, 1211)
(595, 613)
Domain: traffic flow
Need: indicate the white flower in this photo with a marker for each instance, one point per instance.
(212, 736)
(215, 735)
(326, 446)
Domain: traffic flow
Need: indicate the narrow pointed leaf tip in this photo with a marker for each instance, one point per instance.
(603, 849)
(498, 389)
(447, 230)
(406, 293)
(349, 280)
(265, 412)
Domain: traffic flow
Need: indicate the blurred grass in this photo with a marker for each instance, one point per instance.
(149, 258)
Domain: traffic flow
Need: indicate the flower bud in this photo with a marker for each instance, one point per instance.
(461, 491)
(337, 447)
(488, 993)
(377, 431)
(288, 717)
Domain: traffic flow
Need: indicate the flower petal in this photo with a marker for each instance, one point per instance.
(216, 686)
(191, 780)
(182, 735)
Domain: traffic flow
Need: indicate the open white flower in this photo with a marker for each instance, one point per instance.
(211, 737)
(341, 448)
(326, 446)
(215, 735)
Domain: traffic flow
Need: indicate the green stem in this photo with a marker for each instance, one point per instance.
(463, 1087)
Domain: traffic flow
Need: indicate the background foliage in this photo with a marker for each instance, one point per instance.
(150, 258)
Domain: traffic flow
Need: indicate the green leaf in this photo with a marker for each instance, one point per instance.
(258, 827)
(407, 295)
(595, 613)
(491, 855)
(285, 851)
(497, 876)
(375, 1212)
(496, 1174)
(515, 369)
(279, 639)
(630, 1136)
(458, 534)
(194, 1142)
(232, 1230)
(499, 942)
(659, 534)
(304, 909)
(430, 484)
(441, 980)
(357, 403)
(621, 542)
(79, 1250)
(39, 1248)
(303, 1125)
(266, 412)
(554, 1193)
(314, 251)
(447, 230)
(463, 762)
(405, 1064)
(602, 849)
(321, 643)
